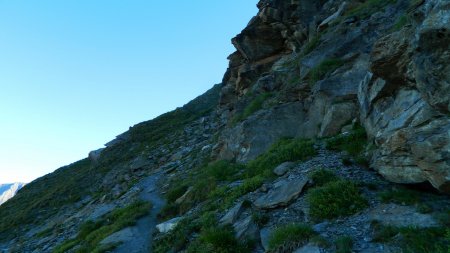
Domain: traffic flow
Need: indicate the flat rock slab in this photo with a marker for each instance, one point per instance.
(282, 193)
(401, 216)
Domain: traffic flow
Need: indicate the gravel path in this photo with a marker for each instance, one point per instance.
(142, 232)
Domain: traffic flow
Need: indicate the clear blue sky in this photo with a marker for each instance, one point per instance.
(76, 73)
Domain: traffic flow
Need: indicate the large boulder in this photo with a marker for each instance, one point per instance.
(254, 135)
(404, 101)
(432, 61)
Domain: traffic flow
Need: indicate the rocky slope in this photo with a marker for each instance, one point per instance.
(330, 132)
(8, 191)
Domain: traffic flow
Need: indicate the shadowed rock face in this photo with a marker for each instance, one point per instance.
(406, 101)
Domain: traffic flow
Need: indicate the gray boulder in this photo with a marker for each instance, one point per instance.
(283, 192)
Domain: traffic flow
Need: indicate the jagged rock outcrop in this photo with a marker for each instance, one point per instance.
(394, 80)
(404, 103)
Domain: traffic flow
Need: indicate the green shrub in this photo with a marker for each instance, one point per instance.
(344, 244)
(323, 176)
(220, 240)
(291, 234)
(400, 196)
(249, 185)
(318, 72)
(260, 218)
(67, 245)
(335, 199)
(282, 151)
(353, 143)
(223, 170)
(176, 192)
(401, 22)
(412, 240)
(255, 105)
(228, 196)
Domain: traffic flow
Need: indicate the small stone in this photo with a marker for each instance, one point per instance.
(168, 225)
(232, 215)
(281, 169)
(308, 248)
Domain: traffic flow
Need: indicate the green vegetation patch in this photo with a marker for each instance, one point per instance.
(255, 105)
(321, 177)
(335, 199)
(290, 235)
(366, 8)
(218, 239)
(285, 150)
(322, 69)
(223, 170)
(211, 238)
(413, 240)
(205, 182)
(354, 143)
(402, 21)
(69, 185)
(401, 196)
(344, 244)
(93, 232)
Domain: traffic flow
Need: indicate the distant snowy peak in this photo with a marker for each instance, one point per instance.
(8, 191)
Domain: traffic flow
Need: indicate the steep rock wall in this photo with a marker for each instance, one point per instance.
(326, 63)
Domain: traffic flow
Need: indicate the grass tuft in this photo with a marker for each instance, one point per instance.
(412, 240)
(322, 69)
(354, 143)
(255, 105)
(335, 199)
(400, 196)
(368, 7)
(218, 239)
(344, 244)
(291, 234)
(323, 176)
(282, 151)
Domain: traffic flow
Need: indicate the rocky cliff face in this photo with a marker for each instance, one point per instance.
(325, 108)
(388, 70)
